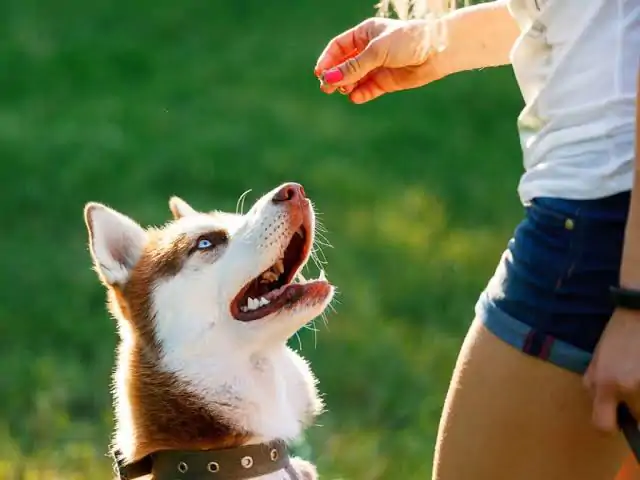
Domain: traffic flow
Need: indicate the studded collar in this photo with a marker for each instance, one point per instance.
(239, 463)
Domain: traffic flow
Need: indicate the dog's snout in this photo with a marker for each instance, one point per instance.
(289, 192)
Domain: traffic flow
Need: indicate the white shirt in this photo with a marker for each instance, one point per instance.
(576, 62)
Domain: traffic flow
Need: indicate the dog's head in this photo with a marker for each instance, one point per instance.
(212, 281)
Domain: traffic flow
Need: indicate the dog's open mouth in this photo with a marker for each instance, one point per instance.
(273, 289)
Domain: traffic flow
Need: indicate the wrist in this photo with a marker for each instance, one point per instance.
(624, 318)
(442, 49)
(630, 266)
(630, 283)
(626, 298)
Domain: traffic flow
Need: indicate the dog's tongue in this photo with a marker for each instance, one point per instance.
(291, 291)
(275, 293)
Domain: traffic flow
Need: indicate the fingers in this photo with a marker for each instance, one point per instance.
(630, 394)
(370, 88)
(605, 404)
(347, 89)
(605, 401)
(344, 46)
(353, 69)
(604, 414)
(387, 80)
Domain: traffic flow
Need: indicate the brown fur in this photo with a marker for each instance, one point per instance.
(166, 415)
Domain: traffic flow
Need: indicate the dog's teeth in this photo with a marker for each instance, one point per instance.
(279, 266)
(244, 309)
(263, 301)
(323, 276)
(253, 303)
(268, 276)
(299, 232)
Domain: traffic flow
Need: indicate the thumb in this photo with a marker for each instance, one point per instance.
(355, 68)
(605, 406)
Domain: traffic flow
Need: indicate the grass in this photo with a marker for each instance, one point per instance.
(130, 102)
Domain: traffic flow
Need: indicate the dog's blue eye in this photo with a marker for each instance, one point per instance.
(209, 241)
(203, 244)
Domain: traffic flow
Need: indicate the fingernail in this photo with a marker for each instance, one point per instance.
(326, 88)
(332, 76)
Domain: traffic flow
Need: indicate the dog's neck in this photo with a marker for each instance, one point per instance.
(193, 400)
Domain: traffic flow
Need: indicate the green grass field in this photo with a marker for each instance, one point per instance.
(129, 102)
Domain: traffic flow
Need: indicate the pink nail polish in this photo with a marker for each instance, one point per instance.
(332, 76)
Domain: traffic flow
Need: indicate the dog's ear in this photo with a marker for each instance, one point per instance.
(179, 208)
(116, 242)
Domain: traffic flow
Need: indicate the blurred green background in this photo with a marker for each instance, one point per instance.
(129, 102)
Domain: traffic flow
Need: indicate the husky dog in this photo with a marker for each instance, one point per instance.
(204, 308)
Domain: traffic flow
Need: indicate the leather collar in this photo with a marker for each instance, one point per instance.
(239, 463)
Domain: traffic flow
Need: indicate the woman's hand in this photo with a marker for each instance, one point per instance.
(614, 373)
(379, 56)
(383, 55)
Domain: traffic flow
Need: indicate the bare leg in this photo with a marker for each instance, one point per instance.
(510, 416)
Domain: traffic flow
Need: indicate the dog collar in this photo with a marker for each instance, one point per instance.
(239, 463)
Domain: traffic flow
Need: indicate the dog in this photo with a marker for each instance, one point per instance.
(205, 385)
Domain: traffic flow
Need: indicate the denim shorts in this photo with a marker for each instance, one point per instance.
(549, 296)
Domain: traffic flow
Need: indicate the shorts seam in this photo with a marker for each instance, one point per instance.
(518, 335)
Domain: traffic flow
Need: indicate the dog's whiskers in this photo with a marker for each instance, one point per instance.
(240, 202)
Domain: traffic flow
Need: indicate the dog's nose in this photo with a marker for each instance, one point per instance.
(289, 192)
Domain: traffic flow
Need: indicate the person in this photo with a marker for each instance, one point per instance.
(551, 352)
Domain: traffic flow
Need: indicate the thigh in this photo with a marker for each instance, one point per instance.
(512, 416)
(629, 470)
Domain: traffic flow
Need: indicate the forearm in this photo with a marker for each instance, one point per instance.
(630, 268)
(480, 36)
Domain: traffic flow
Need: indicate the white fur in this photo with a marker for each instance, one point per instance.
(246, 365)
(180, 208)
(267, 388)
(116, 242)
(126, 434)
